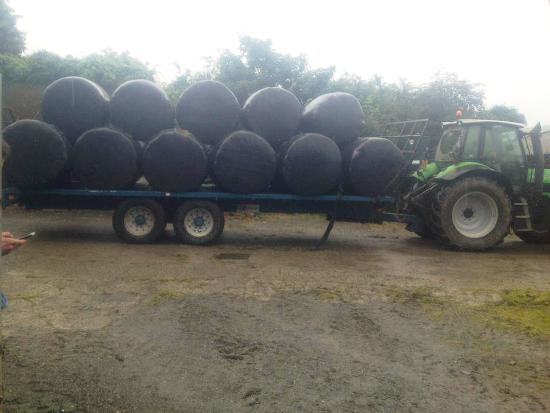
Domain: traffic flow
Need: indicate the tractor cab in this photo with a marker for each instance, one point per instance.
(487, 177)
(504, 149)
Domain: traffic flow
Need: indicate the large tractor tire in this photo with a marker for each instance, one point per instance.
(473, 214)
(532, 237)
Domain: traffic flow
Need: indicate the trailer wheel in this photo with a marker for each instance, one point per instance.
(198, 222)
(139, 221)
(473, 214)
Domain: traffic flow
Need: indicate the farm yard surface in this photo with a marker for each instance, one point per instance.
(377, 320)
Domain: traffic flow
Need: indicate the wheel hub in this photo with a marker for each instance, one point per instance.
(139, 221)
(468, 213)
(199, 222)
(475, 214)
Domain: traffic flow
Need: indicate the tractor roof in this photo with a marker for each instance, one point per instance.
(483, 122)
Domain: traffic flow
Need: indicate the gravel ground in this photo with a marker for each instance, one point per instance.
(377, 320)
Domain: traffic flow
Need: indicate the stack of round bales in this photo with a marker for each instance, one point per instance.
(141, 138)
(311, 163)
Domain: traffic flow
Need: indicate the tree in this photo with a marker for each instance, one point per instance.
(503, 112)
(258, 65)
(12, 40)
(109, 69)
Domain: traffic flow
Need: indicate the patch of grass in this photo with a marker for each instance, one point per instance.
(326, 294)
(524, 309)
(27, 297)
(524, 297)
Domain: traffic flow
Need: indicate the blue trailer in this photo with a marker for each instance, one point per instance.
(141, 214)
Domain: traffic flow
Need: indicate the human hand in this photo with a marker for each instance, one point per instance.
(9, 243)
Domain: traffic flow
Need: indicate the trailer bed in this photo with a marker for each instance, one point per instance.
(335, 206)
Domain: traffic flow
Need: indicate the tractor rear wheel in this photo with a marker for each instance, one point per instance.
(533, 237)
(473, 214)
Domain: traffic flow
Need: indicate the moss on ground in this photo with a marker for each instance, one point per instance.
(524, 309)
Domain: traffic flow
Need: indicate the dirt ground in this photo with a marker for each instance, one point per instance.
(376, 321)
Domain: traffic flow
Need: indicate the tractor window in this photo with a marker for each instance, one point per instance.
(502, 147)
(447, 144)
(503, 142)
(471, 146)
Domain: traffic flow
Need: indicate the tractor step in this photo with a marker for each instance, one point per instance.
(521, 216)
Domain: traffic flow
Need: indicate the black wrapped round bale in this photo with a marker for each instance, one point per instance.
(38, 153)
(208, 110)
(174, 162)
(371, 164)
(336, 115)
(273, 113)
(244, 163)
(312, 165)
(75, 105)
(142, 109)
(105, 158)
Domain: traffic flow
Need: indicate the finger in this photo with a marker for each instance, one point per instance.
(15, 241)
(7, 234)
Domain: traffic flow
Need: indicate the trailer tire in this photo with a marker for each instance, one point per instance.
(139, 221)
(473, 213)
(198, 222)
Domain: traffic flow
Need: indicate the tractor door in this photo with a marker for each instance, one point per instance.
(501, 149)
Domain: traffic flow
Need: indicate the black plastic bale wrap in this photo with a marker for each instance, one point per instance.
(244, 163)
(209, 110)
(174, 162)
(370, 165)
(105, 158)
(336, 115)
(141, 109)
(38, 153)
(312, 165)
(273, 113)
(75, 105)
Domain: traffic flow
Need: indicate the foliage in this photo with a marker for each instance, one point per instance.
(109, 69)
(256, 65)
(503, 112)
(12, 41)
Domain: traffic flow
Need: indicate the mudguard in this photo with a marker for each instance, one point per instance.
(457, 170)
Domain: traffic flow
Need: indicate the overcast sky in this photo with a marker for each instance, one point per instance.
(502, 44)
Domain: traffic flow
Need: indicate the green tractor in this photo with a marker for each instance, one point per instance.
(488, 178)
